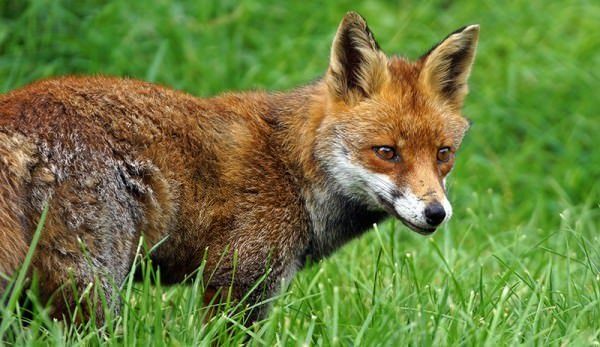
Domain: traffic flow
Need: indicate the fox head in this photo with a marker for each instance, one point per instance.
(392, 126)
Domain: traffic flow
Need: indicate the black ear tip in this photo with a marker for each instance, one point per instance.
(353, 17)
(474, 28)
(467, 29)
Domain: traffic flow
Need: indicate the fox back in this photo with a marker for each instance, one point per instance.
(250, 184)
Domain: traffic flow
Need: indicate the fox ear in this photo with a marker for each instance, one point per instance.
(447, 66)
(357, 66)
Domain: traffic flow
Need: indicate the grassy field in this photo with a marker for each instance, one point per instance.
(518, 264)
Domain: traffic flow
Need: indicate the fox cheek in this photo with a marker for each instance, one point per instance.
(444, 171)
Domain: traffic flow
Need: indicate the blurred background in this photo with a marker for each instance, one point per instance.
(525, 191)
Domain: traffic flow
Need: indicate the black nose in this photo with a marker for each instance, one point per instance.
(434, 214)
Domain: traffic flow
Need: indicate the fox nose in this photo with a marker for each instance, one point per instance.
(434, 214)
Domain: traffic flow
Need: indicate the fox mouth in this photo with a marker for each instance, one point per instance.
(419, 230)
(392, 211)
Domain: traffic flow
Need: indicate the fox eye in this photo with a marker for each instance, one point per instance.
(444, 155)
(386, 153)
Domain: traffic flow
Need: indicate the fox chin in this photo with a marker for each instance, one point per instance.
(248, 185)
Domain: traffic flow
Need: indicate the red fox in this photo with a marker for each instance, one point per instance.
(242, 181)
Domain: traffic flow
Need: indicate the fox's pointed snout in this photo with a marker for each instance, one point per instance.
(435, 214)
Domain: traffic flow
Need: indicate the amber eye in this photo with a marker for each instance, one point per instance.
(386, 153)
(444, 155)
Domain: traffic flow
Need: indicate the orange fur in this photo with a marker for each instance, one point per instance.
(243, 180)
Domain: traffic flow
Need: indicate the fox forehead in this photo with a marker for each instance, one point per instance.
(415, 111)
(405, 114)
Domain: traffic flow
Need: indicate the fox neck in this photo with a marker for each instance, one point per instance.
(335, 217)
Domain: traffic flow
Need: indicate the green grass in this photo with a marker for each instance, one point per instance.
(518, 264)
